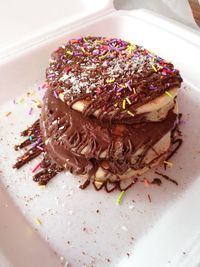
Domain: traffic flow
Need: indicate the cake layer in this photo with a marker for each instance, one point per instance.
(65, 128)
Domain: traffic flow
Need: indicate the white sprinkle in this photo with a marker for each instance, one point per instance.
(131, 207)
(54, 122)
(124, 228)
(61, 259)
(70, 212)
(61, 127)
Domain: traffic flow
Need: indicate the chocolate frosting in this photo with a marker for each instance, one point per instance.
(111, 75)
(66, 133)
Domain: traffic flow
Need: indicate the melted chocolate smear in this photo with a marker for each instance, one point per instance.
(156, 181)
(85, 184)
(167, 178)
(49, 171)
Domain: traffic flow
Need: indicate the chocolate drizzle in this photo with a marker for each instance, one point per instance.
(167, 178)
(110, 186)
(37, 147)
(178, 142)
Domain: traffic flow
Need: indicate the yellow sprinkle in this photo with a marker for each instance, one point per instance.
(131, 47)
(130, 113)
(21, 99)
(37, 221)
(124, 104)
(104, 56)
(61, 96)
(151, 52)
(115, 105)
(42, 186)
(38, 104)
(169, 163)
(128, 100)
(83, 49)
(122, 85)
(110, 80)
(168, 94)
(119, 199)
(69, 53)
(154, 68)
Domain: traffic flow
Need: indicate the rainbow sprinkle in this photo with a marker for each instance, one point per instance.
(8, 114)
(36, 167)
(130, 113)
(154, 68)
(128, 100)
(42, 186)
(30, 111)
(119, 198)
(69, 53)
(124, 104)
(38, 221)
(168, 94)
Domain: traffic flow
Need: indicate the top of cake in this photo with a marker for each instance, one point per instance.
(108, 77)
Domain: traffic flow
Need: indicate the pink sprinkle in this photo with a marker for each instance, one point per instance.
(30, 111)
(41, 148)
(128, 85)
(45, 85)
(55, 94)
(36, 167)
(67, 69)
(57, 49)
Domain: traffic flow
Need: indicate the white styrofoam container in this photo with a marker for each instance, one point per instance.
(165, 232)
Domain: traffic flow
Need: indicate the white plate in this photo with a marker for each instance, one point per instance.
(136, 233)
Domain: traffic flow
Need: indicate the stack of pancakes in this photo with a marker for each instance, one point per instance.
(109, 109)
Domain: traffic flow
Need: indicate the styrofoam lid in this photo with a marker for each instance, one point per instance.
(21, 20)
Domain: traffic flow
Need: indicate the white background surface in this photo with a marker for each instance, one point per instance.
(21, 18)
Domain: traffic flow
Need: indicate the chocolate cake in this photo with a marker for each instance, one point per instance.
(109, 113)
